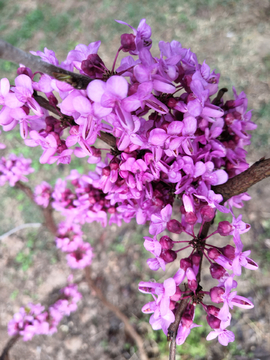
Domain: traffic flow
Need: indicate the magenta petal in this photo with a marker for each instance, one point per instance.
(163, 87)
(157, 105)
(4, 87)
(158, 137)
(175, 128)
(179, 276)
(170, 287)
(212, 335)
(166, 213)
(164, 305)
(222, 176)
(46, 155)
(24, 81)
(212, 111)
(71, 140)
(190, 126)
(95, 90)
(117, 86)
(225, 337)
(131, 103)
(242, 302)
(12, 101)
(194, 107)
(82, 105)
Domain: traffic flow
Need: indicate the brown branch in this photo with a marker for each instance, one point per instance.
(18, 56)
(173, 328)
(11, 342)
(47, 212)
(129, 328)
(242, 182)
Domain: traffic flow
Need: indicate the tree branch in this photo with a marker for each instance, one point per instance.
(242, 182)
(47, 212)
(13, 54)
(129, 328)
(9, 345)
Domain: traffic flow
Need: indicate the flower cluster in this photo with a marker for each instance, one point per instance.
(172, 136)
(35, 320)
(222, 261)
(14, 169)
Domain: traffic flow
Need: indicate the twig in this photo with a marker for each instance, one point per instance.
(129, 328)
(18, 56)
(20, 227)
(242, 182)
(11, 342)
(47, 212)
(173, 328)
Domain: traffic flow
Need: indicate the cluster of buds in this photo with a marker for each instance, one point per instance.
(172, 136)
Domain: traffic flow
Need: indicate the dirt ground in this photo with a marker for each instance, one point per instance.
(233, 37)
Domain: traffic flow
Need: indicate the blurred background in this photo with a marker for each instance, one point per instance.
(233, 38)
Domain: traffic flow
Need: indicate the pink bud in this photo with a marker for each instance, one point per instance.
(217, 271)
(185, 263)
(216, 293)
(168, 255)
(191, 218)
(228, 251)
(172, 102)
(174, 226)
(74, 130)
(192, 283)
(213, 253)
(177, 295)
(172, 305)
(106, 171)
(224, 228)
(128, 42)
(196, 259)
(207, 213)
(213, 310)
(213, 322)
(166, 242)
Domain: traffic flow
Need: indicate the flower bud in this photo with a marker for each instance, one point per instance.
(168, 255)
(224, 228)
(191, 218)
(196, 259)
(93, 66)
(213, 253)
(128, 42)
(212, 310)
(185, 263)
(216, 293)
(177, 295)
(74, 130)
(228, 251)
(213, 322)
(174, 226)
(106, 171)
(172, 305)
(217, 271)
(207, 213)
(166, 242)
(172, 102)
